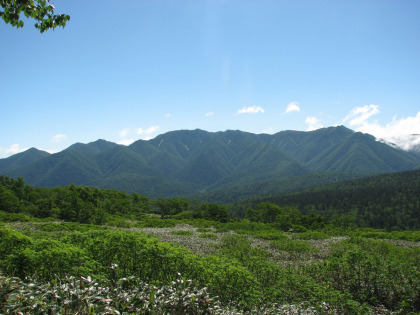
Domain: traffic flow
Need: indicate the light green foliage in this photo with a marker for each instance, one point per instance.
(11, 242)
(13, 217)
(292, 246)
(270, 235)
(241, 275)
(312, 235)
(39, 10)
(156, 223)
(375, 272)
(120, 223)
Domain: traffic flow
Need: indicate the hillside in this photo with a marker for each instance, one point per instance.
(21, 159)
(188, 162)
(113, 252)
(390, 201)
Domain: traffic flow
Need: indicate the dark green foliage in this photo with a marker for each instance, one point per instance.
(391, 202)
(283, 185)
(39, 10)
(97, 206)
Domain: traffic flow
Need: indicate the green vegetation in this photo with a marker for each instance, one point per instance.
(39, 10)
(219, 167)
(73, 266)
(390, 202)
(86, 250)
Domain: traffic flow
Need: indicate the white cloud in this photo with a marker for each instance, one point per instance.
(293, 107)
(270, 130)
(124, 132)
(359, 115)
(210, 114)
(168, 115)
(313, 123)
(403, 132)
(126, 141)
(147, 131)
(59, 138)
(13, 149)
(251, 110)
(49, 151)
(152, 129)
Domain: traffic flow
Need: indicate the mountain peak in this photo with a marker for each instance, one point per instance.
(187, 161)
(94, 147)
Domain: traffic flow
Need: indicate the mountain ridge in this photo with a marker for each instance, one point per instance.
(191, 161)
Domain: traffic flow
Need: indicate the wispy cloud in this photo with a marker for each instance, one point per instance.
(13, 149)
(251, 110)
(359, 115)
(210, 114)
(59, 138)
(125, 132)
(148, 131)
(168, 115)
(293, 107)
(313, 123)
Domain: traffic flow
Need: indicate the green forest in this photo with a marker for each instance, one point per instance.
(84, 250)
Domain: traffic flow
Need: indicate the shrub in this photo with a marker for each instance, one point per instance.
(156, 223)
(311, 235)
(270, 235)
(207, 235)
(182, 232)
(292, 246)
(120, 223)
(375, 272)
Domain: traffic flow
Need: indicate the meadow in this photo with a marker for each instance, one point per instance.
(157, 266)
(82, 250)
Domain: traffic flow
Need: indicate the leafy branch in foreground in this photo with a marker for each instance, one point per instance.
(39, 10)
(85, 295)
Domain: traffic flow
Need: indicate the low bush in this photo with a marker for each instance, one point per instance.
(311, 235)
(292, 246)
(182, 233)
(208, 235)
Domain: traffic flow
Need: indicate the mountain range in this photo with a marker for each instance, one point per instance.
(200, 163)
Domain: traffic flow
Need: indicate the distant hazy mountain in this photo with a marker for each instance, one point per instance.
(189, 162)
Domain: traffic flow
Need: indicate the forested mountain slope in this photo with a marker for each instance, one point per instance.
(389, 201)
(21, 159)
(190, 161)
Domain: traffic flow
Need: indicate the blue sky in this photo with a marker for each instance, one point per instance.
(133, 69)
